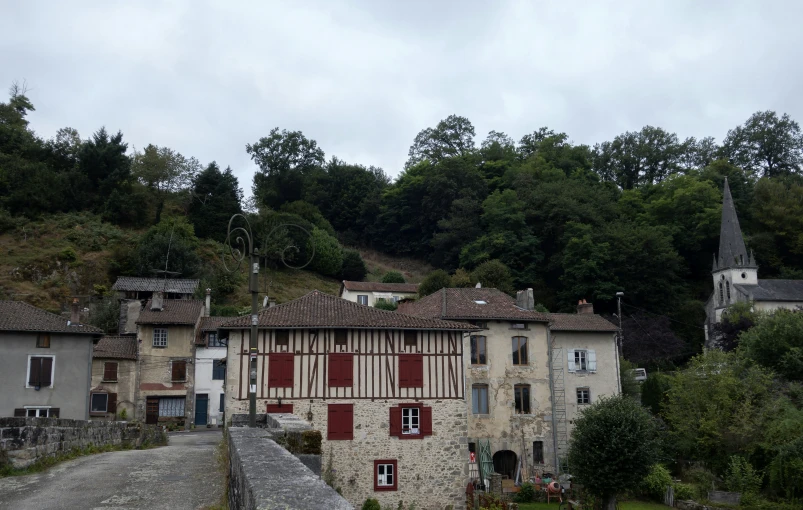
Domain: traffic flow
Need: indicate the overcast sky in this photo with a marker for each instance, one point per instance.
(364, 77)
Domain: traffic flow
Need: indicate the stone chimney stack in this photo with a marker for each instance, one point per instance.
(271, 303)
(584, 307)
(157, 301)
(208, 307)
(75, 313)
(525, 299)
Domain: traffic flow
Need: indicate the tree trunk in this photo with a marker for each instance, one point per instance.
(610, 503)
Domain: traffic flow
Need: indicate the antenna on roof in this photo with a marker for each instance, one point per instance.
(167, 260)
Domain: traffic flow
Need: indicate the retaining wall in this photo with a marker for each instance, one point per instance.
(25, 440)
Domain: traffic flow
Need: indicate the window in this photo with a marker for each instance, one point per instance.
(341, 370)
(341, 339)
(583, 396)
(37, 412)
(214, 341)
(171, 406)
(99, 402)
(518, 325)
(520, 350)
(478, 355)
(110, 371)
(159, 337)
(362, 299)
(411, 370)
(218, 370)
(721, 294)
(728, 289)
(280, 370)
(43, 340)
(340, 424)
(411, 340)
(40, 371)
(410, 421)
(580, 360)
(479, 399)
(522, 398)
(222, 402)
(396, 299)
(282, 339)
(538, 452)
(385, 475)
(179, 370)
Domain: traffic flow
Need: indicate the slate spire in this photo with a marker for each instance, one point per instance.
(732, 250)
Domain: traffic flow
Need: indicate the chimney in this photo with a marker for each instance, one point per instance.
(271, 303)
(584, 307)
(75, 313)
(525, 299)
(208, 308)
(157, 301)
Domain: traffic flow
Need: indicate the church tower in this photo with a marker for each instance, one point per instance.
(733, 265)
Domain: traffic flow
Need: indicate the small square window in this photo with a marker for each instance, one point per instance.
(385, 476)
(282, 338)
(160, 337)
(43, 340)
(410, 340)
(411, 420)
(214, 340)
(583, 396)
(99, 403)
(341, 338)
(362, 299)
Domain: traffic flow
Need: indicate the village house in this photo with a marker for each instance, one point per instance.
(385, 389)
(45, 369)
(736, 280)
(114, 378)
(166, 340)
(133, 292)
(210, 368)
(368, 293)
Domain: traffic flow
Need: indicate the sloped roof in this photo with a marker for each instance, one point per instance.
(174, 311)
(410, 288)
(774, 290)
(470, 304)
(319, 310)
(116, 347)
(20, 316)
(209, 324)
(579, 322)
(173, 285)
(732, 250)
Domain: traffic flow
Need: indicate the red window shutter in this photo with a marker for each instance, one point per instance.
(347, 370)
(47, 371)
(404, 371)
(276, 408)
(280, 370)
(411, 371)
(34, 371)
(395, 421)
(347, 421)
(112, 407)
(341, 370)
(340, 422)
(334, 370)
(426, 421)
(109, 371)
(287, 371)
(274, 371)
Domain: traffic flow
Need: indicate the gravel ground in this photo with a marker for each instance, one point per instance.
(183, 475)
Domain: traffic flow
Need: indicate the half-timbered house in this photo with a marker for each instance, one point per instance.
(385, 389)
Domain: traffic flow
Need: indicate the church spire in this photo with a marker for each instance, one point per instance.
(732, 250)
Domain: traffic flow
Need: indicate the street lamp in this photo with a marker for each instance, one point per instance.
(241, 242)
(619, 296)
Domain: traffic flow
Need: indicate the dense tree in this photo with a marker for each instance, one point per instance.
(393, 277)
(216, 196)
(493, 274)
(776, 342)
(328, 253)
(353, 267)
(164, 172)
(766, 145)
(168, 246)
(433, 282)
(453, 136)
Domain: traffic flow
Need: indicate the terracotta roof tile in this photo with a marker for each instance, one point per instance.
(116, 347)
(319, 310)
(174, 285)
(409, 288)
(579, 322)
(174, 311)
(20, 316)
(470, 304)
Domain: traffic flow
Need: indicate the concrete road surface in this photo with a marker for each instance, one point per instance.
(183, 475)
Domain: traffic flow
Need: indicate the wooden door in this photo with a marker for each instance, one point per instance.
(152, 410)
(201, 409)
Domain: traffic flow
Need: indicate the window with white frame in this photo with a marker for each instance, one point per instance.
(160, 337)
(37, 412)
(411, 420)
(583, 396)
(580, 360)
(99, 403)
(362, 299)
(171, 406)
(385, 478)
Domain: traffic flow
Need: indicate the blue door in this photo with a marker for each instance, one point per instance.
(201, 409)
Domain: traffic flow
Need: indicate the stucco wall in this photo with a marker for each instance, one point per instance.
(205, 385)
(71, 374)
(155, 374)
(351, 295)
(506, 429)
(125, 387)
(768, 306)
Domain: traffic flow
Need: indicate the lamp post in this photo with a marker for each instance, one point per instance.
(619, 296)
(241, 242)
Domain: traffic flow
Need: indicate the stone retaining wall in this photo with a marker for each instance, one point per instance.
(263, 475)
(25, 440)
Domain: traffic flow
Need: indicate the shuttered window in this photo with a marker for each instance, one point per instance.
(179, 370)
(341, 370)
(410, 421)
(280, 370)
(110, 371)
(102, 403)
(340, 422)
(40, 371)
(411, 371)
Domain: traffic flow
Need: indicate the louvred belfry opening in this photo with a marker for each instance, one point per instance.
(411, 371)
(280, 370)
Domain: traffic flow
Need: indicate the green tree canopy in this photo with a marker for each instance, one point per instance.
(393, 277)
(776, 342)
(493, 274)
(433, 282)
(353, 267)
(216, 196)
(169, 245)
(766, 145)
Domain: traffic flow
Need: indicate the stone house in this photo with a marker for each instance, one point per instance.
(368, 293)
(114, 378)
(133, 292)
(385, 390)
(166, 352)
(45, 369)
(210, 369)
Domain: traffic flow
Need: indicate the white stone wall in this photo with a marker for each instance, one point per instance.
(205, 385)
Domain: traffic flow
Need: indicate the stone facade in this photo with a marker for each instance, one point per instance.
(25, 440)
(124, 387)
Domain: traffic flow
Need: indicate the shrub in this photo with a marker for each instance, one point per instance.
(493, 274)
(68, 254)
(786, 470)
(461, 279)
(386, 304)
(656, 482)
(742, 477)
(526, 493)
(371, 504)
(435, 281)
(328, 254)
(353, 267)
(393, 277)
(311, 442)
(684, 491)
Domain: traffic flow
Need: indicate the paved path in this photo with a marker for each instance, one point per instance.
(183, 475)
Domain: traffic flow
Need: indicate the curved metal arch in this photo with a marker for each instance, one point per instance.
(243, 238)
(290, 247)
